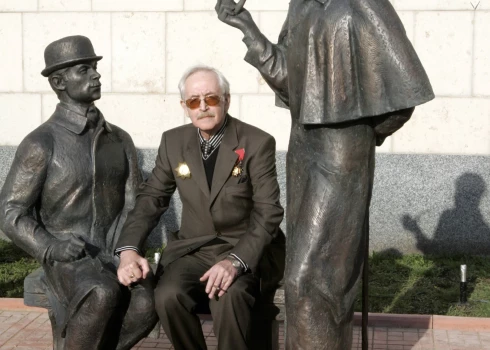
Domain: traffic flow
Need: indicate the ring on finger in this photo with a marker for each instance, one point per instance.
(217, 287)
(132, 275)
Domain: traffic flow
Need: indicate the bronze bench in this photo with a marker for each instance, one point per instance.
(267, 316)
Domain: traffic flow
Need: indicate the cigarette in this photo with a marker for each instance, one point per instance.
(239, 6)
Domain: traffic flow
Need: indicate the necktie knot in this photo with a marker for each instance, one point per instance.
(206, 149)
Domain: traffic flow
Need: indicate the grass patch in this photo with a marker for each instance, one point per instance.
(410, 284)
(15, 265)
(416, 284)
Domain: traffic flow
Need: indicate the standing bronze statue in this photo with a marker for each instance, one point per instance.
(350, 77)
(64, 201)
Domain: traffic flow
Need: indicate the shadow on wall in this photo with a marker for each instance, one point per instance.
(463, 224)
(431, 284)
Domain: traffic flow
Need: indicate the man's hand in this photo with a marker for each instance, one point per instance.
(219, 277)
(241, 20)
(66, 251)
(132, 267)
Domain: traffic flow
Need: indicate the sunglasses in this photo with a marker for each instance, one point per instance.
(195, 102)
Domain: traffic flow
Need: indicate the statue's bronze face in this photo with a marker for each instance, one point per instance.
(82, 82)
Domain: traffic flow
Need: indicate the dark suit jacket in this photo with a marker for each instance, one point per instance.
(244, 211)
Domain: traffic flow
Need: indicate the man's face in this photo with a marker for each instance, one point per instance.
(82, 82)
(207, 118)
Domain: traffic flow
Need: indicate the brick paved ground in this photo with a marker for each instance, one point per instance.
(28, 330)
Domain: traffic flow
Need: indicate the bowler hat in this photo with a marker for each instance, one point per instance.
(68, 52)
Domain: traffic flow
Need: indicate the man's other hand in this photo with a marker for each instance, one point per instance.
(66, 251)
(132, 267)
(220, 277)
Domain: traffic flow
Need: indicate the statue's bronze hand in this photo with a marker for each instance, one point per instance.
(387, 124)
(235, 15)
(66, 251)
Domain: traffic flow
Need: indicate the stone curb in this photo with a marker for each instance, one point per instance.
(17, 304)
(473, 324)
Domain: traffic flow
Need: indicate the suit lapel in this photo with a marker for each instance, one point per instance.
(194, 161)
(226, 159)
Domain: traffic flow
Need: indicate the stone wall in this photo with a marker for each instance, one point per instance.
(147, 44)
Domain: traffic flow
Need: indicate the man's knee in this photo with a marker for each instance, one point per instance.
(171, 296)
(142, 300)
(238, 295)
(142, 311)
(105, 295)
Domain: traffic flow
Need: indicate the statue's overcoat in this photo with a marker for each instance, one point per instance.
(68, 180)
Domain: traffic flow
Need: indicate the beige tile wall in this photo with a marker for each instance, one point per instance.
(147, 44)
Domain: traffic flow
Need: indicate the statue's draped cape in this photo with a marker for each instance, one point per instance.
(348, 59)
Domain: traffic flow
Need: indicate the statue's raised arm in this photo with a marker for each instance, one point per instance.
(268, 58)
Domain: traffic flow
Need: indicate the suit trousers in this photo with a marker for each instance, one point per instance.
(330, 176)
(180, 296)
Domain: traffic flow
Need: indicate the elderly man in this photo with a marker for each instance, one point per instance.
(69, 190)
(225, 173)
(350, 77)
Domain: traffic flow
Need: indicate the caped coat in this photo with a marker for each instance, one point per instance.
(242, 210)
(341, 60)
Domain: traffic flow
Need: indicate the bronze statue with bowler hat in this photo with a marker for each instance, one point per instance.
(64, 201)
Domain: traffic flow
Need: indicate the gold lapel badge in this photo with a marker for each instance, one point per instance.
(183, 171)
(238, 168)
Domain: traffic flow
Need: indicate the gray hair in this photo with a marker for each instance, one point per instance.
(223, 82)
